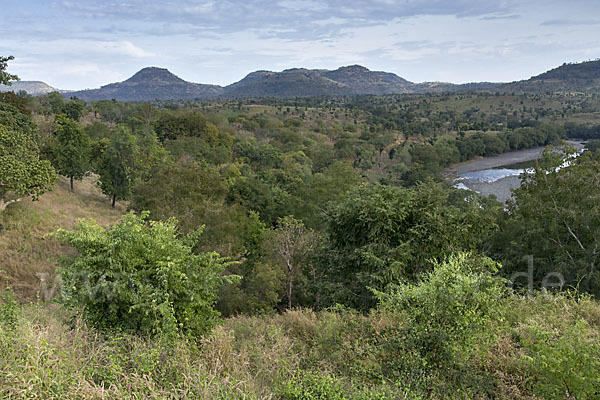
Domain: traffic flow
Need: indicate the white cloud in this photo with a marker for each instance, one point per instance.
(125, 48)
(87, 43)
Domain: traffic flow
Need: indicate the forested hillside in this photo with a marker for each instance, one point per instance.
(311, 248)
(572, 77)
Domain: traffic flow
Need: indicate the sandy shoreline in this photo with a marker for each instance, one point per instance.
(501, 160)
(501, 188)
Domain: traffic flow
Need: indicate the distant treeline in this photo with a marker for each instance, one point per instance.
(580, 131)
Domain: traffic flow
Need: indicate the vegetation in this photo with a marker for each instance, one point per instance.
(70, 149)
(296, 249)
(5, 77)
(22, 172)
(555, 215)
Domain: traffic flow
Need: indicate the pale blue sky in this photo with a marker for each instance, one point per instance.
(80, 44)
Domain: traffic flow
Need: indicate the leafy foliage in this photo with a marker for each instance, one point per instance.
(564, 363)
(293, 243)
(141, 277)
(446, 310)
(74, 109)
(70, 149)
(22, 172)
(380, 235)
(555, 218)
(5, 77)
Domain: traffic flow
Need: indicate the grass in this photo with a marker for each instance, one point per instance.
(542, 346)
(27, 253)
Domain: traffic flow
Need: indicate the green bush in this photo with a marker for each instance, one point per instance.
(563, 363)
(141, 276)
(8, 311)
(311, 386)
(444, 314)
(305, 385)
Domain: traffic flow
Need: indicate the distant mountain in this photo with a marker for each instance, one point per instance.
(159, 84)
(151, 84)
(301, 82)
(33, 88)
(446, 87)
(363, 81)
(577, 77)
(296, 82)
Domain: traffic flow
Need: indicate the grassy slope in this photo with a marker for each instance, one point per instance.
(539, 348)
(25, 248)
(536, 350)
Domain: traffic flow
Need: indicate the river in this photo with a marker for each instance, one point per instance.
(497, 175)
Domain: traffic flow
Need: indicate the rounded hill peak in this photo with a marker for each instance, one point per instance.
(354, 68)
(154, 74)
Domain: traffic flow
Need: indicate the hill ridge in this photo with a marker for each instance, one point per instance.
(157, 83)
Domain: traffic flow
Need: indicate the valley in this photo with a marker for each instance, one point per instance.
(301, 238)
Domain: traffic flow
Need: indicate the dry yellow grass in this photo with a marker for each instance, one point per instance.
(27, 254)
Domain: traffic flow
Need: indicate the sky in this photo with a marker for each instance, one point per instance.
(79, 44)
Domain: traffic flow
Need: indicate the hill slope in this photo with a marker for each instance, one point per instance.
(33, 88)
(151, 84)
(159, 84)
(578, 77)
(301, 82)
(25, 249)
(296, 82)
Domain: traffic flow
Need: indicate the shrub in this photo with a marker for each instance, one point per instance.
(444, 313)
(305, 385)
(8, 308)
(141, 277)
(563, 363)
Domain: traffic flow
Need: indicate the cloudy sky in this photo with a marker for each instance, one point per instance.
(80, 44)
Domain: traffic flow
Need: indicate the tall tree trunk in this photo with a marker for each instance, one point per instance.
(71, 184)
(289, 293)
(114, 199)
(290, 285)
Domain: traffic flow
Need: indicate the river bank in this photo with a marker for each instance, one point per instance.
(487, 177)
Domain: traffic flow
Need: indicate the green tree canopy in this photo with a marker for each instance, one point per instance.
(5, 77)
(22, 173)
(555, 218)
(117, 167)
(71, 148)
(380, 235)
(194, 193)
(141, 277)
(74, 109)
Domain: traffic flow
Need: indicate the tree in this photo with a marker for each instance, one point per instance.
(380, 235)
(22, 173)
(5, 77)
(70, 149)
(74, 109)
(444, 311)
(293, 243)
(313, 194)
(263, 279)
(55, 102)
(194, 193)
(170, 125)
(117, 167)
(554, 219)
(141, 276)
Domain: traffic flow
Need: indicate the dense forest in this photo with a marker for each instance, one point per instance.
(309, 248)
